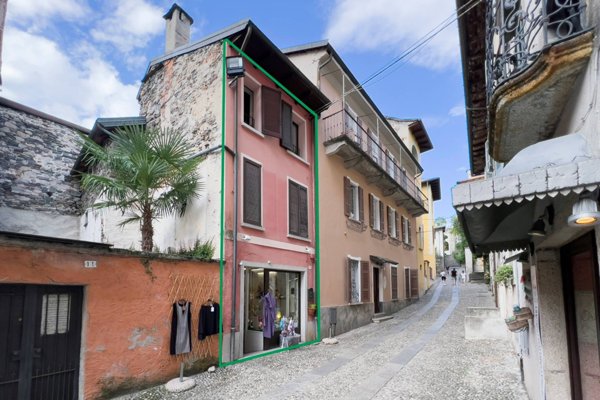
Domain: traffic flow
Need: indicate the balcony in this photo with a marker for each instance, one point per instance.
(360, 150)
(536, 50)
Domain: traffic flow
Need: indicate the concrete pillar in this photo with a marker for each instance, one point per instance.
(553, 325)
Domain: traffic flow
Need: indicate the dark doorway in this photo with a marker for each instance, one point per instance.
(581, 289)
(376, 290)
(40, 337)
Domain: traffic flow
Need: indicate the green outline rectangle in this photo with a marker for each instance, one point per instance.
(316, 207)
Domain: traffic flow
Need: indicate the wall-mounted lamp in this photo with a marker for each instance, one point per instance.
(538, 228)
(585, 211)
(235, 66)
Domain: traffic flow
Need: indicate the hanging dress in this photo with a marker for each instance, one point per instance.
(181, 328)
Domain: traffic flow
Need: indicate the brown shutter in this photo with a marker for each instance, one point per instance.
(361, 205)
(381, 217)
(286, 127)
(403, 229)
(394, 272)
(365, 292)
(294, 226)
(347, 197)
(271, 112)
(252, 195)
(397, 225)
(371, 224)
(414, 283)
(388, 212)
(302, 212)
(407, 283)
(408, 230)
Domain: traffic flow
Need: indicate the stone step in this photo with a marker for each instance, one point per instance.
(377, 318)
(476, 276)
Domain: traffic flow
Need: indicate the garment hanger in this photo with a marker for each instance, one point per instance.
(182, 301)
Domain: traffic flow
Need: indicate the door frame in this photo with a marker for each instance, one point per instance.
(376, 288)
(583, 243)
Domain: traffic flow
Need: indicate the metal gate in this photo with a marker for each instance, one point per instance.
(40, 336)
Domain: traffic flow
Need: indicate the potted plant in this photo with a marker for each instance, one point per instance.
(312, 310)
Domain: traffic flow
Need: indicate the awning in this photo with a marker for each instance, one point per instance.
(381, 260)
(498, 212)
(520, 256)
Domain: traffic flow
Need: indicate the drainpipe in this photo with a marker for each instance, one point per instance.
(233, 84)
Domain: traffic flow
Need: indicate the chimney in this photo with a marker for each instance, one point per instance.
(178, 28)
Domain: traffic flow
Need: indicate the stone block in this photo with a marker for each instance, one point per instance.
(461, 194)
(506, 186)
(482, 191)
(562, 176)
(534, 181)
(588, 172)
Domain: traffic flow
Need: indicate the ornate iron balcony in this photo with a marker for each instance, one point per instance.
(518, 30)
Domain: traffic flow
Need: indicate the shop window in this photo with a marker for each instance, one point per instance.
(298, 210)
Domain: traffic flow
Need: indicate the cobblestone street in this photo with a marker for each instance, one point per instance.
(420, 354)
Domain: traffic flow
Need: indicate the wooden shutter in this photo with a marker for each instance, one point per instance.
(381, 217)
(371, 211)
(408, 231)
(252, 193)
(302, 212)
(347, 197)
(407, 283)
(397, 225)
(389, 214)
(271, 112)
(365, 292)
(402, 222)
(361, 205)
(414, 283)
(294, 226)
(394, 271)
(286, 127)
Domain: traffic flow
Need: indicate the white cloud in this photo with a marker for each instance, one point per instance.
(36, 14)
(129, 24)
(38, 73)
(457, 111)
(392, 26)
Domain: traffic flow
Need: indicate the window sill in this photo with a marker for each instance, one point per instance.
(252, 226)
(298, 238)
(394, 241)
(291, 153)
(377, 234)
(355, 225)
(252, 129)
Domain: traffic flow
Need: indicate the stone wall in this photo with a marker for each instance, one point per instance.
(185, 94)
(38, 154)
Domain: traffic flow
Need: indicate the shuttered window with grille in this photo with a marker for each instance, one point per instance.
(298, 210)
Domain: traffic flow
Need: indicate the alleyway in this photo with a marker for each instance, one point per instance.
(420, 354)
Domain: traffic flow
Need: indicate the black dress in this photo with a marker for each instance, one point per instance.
(208, 322)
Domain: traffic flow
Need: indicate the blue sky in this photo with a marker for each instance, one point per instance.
(80, 60)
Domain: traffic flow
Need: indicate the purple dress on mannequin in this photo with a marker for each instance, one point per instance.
(269, 315)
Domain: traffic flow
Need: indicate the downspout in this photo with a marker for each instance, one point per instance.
(233, 84)
(234, 266)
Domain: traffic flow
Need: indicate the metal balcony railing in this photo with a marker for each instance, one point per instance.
(343, 124)
(518, 30)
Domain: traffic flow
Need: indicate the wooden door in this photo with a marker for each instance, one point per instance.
(40, 337)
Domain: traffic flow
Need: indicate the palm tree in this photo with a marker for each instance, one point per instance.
(148, 173)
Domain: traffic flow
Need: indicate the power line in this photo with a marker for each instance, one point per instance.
(414, 47)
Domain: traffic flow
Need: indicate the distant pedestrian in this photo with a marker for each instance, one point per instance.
(443, 274)
(463, 276)
(447, 268)
(453, 274)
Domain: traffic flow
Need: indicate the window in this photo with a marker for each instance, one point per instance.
(406, 231)
(249, 107)
(394, 271)
(293, 135)
(295, 145)
(252, 198)
(420, 238)
(391, 165)
(352, 126)
(358, 282)
(392, 223)
(353, 200)
(374, 145)
(354, 270)
(55, 314)
(376, 213)
(298, 210)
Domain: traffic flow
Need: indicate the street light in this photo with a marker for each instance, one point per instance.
(585, 211)
(235, 66)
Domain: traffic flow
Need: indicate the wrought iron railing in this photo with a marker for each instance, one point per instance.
(343, 124)
(518, 30)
